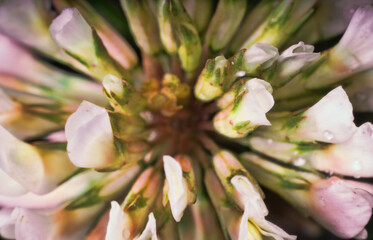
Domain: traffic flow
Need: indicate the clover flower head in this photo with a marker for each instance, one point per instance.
(164, 119)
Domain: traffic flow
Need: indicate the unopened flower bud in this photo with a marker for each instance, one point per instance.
(143, 25)
(213, 80)
(224, 23)
(281, 23)
(354, 49)
(122, 95)
(251, 22)
(138, 203)
(128, 128)
(165, 27)
(115, 44)
(189, 48)
(200, 12)
(73, 34)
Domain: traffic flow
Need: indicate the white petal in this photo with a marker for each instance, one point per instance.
(329, 120)
(255, 103)
(355, 47)
(10, 187)
(21, 20)
(56, 198)
(7, 229)
(113, 84)
(244, 232)
(30, 225)
(260, 54)
(150, 230)
(13, 57)
(117, 223)
(85, 113)
(296, 49)
(249, 197)
(71, 32)
(262, 227)
(296, 57)
(255, 210)
(360, 185)
(62, 225)
(352, 157)
(267, 228)
(21, 161)
(362, 235)
(273, 148)
(90, 140)
(339, 208)
(177, 192)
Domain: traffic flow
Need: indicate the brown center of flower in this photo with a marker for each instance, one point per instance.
(179, 123)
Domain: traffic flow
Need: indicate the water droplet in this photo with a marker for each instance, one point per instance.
(299, 161)
(240, 73)
(357, 165)
(232, 63)
(269, 141)
(295, 153)
(328, 135)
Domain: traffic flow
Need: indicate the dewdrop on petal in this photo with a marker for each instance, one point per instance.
(352, 157)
